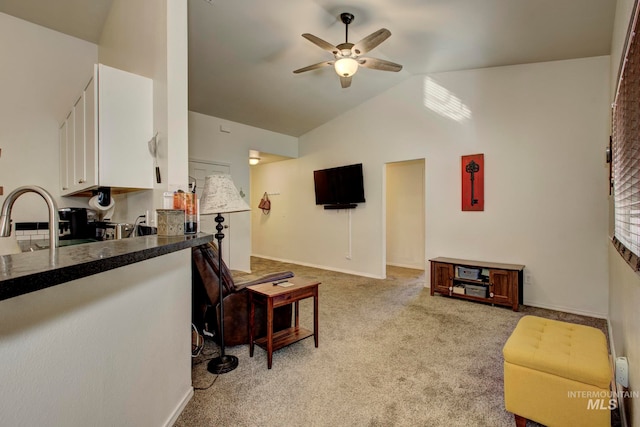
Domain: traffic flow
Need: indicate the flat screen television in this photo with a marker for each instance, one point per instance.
(339, 188)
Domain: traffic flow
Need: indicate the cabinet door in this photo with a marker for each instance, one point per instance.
(70, 151)
(83, 170)
(125, 111)
(441, 277)
(64, 169)
(79, 176)
(502, 285)
(90, 135)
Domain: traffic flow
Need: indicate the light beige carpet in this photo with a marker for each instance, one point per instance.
(389, 355)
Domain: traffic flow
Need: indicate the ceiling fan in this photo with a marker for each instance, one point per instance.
(347, 55)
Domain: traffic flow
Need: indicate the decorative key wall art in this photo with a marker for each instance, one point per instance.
(473, 182)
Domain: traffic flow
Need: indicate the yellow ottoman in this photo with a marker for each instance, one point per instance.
(557, 374)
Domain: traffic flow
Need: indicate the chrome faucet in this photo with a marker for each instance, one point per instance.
(5, 213)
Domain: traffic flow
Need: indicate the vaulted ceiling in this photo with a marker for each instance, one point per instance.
(242, 53)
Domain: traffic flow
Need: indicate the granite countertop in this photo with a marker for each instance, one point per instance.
(31, 271)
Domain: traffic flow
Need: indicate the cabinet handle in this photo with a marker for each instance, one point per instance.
(65, 188)
(491, 295)
(81, 181)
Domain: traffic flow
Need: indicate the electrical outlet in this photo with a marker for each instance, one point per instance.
(622, 371)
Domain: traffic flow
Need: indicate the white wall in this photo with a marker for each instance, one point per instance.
(150, 38)
(624, 283)
(109, 349)
(405, 219)
(542, 128)
(208, 141)
(42, 74)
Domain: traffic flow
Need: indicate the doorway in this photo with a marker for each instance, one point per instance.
(198, 171)
(405, 214)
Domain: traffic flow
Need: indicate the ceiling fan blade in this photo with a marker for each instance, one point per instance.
(313, 67)
(379, 64)
(345, 82)
(371, 41)
(321, 43)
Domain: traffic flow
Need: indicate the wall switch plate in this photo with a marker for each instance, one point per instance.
(622, 371)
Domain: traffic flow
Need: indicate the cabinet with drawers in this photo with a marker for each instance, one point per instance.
(489, 282)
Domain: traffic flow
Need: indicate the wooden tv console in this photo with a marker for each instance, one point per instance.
(495, 283)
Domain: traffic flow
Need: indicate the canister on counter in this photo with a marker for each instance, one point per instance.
(170, 222)
(188, 203)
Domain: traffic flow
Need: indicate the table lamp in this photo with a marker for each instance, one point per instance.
(221, 196)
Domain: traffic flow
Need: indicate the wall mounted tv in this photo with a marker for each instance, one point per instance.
(339, 188)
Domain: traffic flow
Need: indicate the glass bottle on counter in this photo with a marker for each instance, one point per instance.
(188, 203)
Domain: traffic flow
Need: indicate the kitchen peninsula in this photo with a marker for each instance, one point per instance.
(99, 335)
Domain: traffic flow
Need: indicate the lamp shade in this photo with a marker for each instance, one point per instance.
(346, 67)
(220, 195)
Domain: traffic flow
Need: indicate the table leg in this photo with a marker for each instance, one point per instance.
(296, 311)
(269, 332)
(315, 316)
(252, 314)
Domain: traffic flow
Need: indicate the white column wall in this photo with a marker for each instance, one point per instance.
(150, 38)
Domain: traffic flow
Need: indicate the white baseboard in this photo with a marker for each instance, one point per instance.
(322, 267)
(567, 310)
(411, 266)
(181, 405)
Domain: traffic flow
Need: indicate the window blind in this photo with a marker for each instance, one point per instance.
(626, 152)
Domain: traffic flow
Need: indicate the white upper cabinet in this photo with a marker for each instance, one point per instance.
(104, 139)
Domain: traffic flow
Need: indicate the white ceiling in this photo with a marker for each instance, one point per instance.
(242, 52)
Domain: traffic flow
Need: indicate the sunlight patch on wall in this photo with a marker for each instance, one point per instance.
(441, 101)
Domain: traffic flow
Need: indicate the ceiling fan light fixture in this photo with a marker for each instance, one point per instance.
(346, 67)
(346, 55)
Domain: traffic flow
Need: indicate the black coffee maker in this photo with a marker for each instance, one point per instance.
(75, 224)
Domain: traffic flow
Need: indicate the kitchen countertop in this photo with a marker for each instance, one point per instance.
(31, 271)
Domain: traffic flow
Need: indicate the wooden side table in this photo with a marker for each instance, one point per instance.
(273, 296)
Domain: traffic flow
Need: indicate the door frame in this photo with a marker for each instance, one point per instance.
(384, 211)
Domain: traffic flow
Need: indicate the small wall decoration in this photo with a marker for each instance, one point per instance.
(265, 204)
(473, 182)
